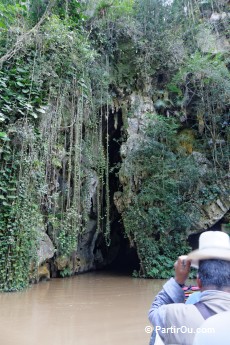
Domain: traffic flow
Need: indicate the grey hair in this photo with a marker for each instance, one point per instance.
(214, 272)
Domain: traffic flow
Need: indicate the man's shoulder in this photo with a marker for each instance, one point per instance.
(181, 313)
(180, 323)
(180, 307)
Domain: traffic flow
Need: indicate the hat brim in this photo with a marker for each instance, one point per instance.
(206, 254)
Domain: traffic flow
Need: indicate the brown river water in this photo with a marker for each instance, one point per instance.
(89, 309)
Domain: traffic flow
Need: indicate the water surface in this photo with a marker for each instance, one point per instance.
(90, 309)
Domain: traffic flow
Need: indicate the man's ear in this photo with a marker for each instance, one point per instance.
(199, 283)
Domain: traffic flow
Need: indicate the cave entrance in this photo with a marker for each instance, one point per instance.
(193, 238)
(119, 256)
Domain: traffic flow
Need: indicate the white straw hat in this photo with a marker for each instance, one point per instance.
(212, 245)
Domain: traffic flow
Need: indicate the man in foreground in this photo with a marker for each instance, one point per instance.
(177, 323)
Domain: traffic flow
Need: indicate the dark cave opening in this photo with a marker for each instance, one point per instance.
(119, 256)
(193, 238)
(126, 260)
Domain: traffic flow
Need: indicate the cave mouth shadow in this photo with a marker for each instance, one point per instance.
(119, 256)
(125, 263)
(126, 260)
(193, 238)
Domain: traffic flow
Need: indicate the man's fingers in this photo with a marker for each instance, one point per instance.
(182, 263)
(182, 268)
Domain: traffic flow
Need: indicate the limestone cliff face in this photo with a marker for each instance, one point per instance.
(90, 251)
(211, 210)
(86, 255)
(214, 210)
(210, 198)
(139, 106)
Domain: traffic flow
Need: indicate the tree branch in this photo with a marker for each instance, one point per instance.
(22, 39)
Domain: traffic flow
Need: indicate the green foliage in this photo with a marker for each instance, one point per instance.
(71, 12)
(206, 72)
(20, 97)
(69, 229)
(53, 70)
(161, 210)
(20, 220)
(205, 82)
(18, 243)
(158, 258)
(65, 53)
(66, 272)
(115, 8)
(36, 9)
(9, 10)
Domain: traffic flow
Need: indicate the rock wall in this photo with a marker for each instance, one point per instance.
(211, 212)
(134, 107)
(91, 252)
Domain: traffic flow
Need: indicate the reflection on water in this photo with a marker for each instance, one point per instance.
(94, 308)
